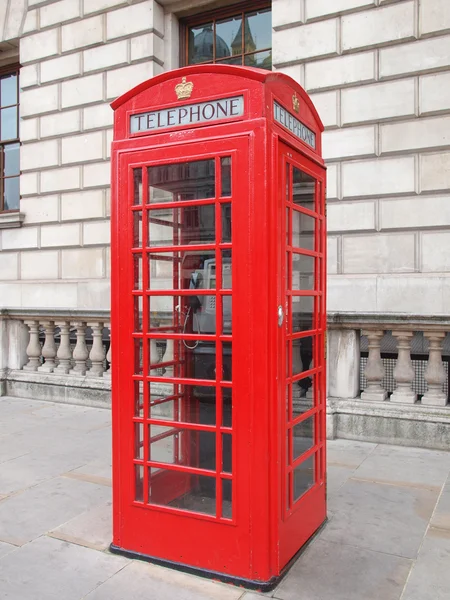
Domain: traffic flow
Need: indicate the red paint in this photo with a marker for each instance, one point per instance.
(267, 526)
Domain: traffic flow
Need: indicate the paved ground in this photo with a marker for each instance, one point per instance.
(388, 535)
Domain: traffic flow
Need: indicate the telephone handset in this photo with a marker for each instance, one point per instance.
(194, 284)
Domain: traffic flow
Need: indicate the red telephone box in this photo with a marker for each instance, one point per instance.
(218, 321)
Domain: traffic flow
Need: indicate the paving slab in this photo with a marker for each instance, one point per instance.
(92, 529)
(97, 471)
(48, 569)
(27, 515)
(348, 453)
(380, 517)
(336, 477)
(430, 576)
(142, 581)
(405, 466)
(328, 571)
(6, 548)
(441, 516)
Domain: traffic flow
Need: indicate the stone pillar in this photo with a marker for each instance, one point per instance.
(107, 373)
(80, 353)
(18, 338)
(97, 354)
(374, 370)
(343, 359)
(64, 353)
(49, 347)
(34, 347)
(435, 373)
(403, 372)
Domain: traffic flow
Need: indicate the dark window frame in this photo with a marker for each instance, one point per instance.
(199, 19)
(9, 70)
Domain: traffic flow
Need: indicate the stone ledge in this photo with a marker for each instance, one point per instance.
(388, 423)
(67, 389)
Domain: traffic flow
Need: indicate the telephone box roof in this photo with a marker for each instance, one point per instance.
(261, 75)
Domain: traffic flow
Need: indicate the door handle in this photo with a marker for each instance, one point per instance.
(280, 316)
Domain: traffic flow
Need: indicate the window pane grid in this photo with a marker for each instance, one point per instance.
(9, 146)
(231, 39)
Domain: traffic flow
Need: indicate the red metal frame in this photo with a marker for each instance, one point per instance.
(265, 529)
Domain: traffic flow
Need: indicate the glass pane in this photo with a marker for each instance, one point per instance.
(195, 269)
(183, 403)
(226, 270)
(200, 44)
(139, 440)
(304, 476)
(8, 90)
(196, 493)
(12, 193)
(226, 361)
(226, 452)
(258, 30)
(138, 398)
(227, 486)
(303, 437)
(303, 192)
(302, 272)
(193, 359)
(302, 397)
(137, 175)
(302, 355)
(137, 229)
(8, 123)
(228, 37)
(12, 163)
(226, 223)
(225, 165)
(226, 315)
(261, 60)
(138, 356)
(302, 313)
(227, 407)
(303, 229)
(182, 226)
(138, 313)
(137, 261)
(139, 483)
(183, 181)
(186, 447)
(235, 60)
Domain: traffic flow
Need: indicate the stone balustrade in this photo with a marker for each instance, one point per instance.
(344, 354)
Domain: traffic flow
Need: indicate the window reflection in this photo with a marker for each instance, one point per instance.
(182, 181)
(244, 38)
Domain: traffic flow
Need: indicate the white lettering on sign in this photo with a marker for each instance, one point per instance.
(204, 112)
(294, 125)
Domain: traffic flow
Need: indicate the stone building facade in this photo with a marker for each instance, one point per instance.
(378, 72)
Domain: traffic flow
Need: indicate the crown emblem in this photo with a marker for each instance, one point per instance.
(295, 103)
(184, 89)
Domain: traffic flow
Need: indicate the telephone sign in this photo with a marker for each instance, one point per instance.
(218, 322)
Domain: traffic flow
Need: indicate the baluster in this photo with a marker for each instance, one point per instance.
(64, 353)
(80, 353)
(404, 371)
(107, 373)
(435, 373)
(97, 354)
(168, 357)
(49, 347)
(34, 347)
(374, 371)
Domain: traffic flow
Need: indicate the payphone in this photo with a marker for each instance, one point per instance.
(218, 322)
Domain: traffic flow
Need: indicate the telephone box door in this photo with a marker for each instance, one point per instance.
(181, 416)
(302, 392)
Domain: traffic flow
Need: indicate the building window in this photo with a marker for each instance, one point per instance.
(9, 141)
(239, 35)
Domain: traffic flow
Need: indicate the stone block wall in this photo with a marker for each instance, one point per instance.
(378, 72)
(76, 56)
